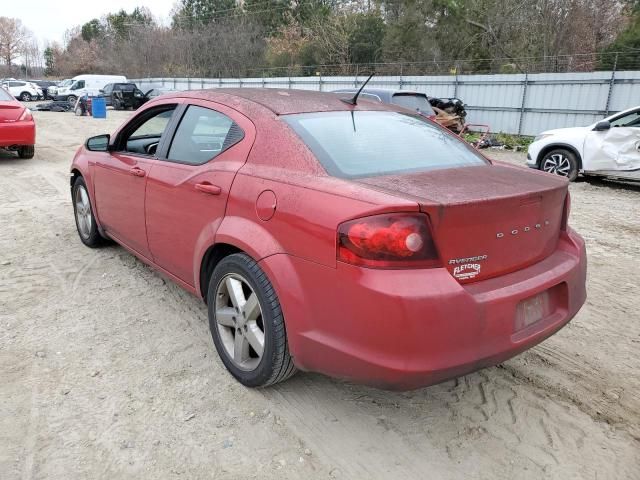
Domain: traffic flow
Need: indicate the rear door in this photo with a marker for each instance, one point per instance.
(120, 176)
(188, 188)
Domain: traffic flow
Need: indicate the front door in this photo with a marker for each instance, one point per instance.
(120, 178)
(617, 148)
(187, 189)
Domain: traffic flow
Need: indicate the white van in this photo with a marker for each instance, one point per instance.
(87, 84)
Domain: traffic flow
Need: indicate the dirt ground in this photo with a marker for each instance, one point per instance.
(108, 371)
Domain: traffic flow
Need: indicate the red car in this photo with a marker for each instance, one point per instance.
(360, 241)
(17, 128)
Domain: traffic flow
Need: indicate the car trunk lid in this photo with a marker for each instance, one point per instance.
(10, 111)
(486, 220)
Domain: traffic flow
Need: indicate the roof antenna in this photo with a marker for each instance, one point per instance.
(354, 100)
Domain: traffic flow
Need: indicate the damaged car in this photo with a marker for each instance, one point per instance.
(608, 148)
(121, 96)
(360, 240)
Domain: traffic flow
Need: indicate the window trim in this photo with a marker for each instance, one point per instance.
(174, 132)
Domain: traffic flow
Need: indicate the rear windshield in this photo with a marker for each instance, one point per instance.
(413, 102)
(4, 96)
(366, 144)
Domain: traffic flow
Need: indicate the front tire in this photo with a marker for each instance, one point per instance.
(247, 324)
(72, 99)
(26, 151)
(83, 213)
(25, 96)
(561, 162)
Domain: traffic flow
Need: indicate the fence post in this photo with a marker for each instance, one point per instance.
(522, 104)
(612, 82)
(455, 85)
(320, 83)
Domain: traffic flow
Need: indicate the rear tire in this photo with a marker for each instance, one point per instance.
(244, 309)
(26, 151)
(83, 213)
(560, 162)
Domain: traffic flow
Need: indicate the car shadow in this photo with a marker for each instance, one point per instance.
(10, 158)
(611, 183)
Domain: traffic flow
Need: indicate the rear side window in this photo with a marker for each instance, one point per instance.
(365, 144)
(202, 135)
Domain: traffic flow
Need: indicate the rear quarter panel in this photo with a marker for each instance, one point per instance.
(309, 204)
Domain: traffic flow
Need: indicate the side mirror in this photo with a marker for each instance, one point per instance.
(101, 91)
(602, 126)
(99, 143)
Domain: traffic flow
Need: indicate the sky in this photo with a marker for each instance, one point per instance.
(49, 19)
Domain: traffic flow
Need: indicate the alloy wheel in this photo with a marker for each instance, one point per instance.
(238, 317)
(83, 212)
(557, 164)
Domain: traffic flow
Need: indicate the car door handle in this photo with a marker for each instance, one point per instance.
(208, 188)
(137, 171)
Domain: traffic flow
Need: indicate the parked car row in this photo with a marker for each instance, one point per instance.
(23, 90)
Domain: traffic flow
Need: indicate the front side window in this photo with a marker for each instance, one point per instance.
(629, 120)
(144, 136)
(202, 135)
(366, 143)
(78, 85)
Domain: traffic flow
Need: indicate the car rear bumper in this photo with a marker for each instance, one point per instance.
(405, 329)
(17, 133)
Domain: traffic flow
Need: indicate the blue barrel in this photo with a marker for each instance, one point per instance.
(98, 107)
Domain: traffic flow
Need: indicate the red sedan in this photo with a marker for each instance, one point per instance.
(17, 128)
(360, 241)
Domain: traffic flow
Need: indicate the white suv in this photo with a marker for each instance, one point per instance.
(610, 147)
(25, 91)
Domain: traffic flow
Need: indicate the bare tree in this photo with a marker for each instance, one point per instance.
(12, 38)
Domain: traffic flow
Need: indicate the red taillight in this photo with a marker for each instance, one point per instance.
(566, 212)
(395, 240)
(26, 116)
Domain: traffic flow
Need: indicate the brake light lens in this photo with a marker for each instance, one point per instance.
(396, 240)
(26, 116)
(566, 212)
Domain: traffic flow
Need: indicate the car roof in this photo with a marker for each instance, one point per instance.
(281, 101)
